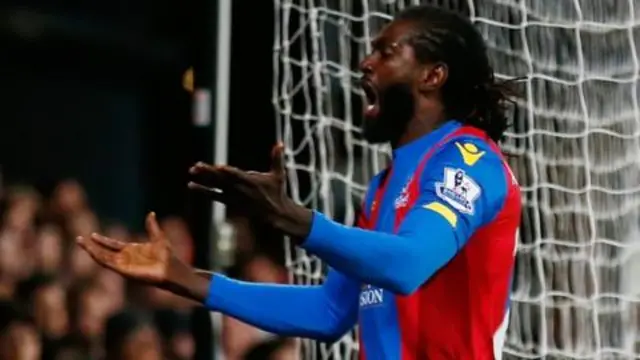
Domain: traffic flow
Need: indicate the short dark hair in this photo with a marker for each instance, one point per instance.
(471, 93)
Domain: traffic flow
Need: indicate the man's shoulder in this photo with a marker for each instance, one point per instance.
(468, 172)
(478, 156)
(469, 151)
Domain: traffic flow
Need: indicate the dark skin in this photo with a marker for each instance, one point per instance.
(390, 66)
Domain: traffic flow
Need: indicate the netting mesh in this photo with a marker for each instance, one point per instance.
(575, 148)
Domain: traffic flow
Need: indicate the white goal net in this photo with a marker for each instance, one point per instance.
(575, 146)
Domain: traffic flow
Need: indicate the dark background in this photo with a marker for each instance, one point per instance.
(94, 91)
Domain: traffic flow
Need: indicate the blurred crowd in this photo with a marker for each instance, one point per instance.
(56, 303)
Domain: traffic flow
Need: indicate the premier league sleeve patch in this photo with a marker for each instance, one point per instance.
(458, 190)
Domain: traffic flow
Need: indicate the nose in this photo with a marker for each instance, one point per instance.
(366, 66)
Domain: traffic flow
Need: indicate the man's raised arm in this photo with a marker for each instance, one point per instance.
(322, 312)
(433, 231)
(437, 226)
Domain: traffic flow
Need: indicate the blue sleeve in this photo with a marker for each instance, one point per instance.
(460, 191)
(323, 312)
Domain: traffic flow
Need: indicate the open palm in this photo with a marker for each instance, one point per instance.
(148, 262)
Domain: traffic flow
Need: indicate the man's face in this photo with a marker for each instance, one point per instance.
(390, 76)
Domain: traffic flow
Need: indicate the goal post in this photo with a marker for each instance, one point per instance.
(574, 146)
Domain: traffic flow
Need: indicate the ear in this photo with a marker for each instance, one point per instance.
(433, 77)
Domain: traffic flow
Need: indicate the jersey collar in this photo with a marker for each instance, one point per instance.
(416, 148)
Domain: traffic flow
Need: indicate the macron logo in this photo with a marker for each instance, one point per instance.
(371, 296)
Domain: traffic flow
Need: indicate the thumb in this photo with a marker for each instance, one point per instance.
(153, 229)
(277, 159)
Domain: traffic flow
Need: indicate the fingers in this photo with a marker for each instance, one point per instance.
(201, 167)
(109, 243)
(153, 229)
(218, 176)
(209, 174)
(212, 193)
(277, 160)
(102, 255)
(204, 273)
(218, 172)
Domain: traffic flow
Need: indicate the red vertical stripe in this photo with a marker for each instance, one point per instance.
(409, 307)
(361, 352)
(377, 199)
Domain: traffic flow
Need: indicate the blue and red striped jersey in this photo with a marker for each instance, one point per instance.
(460, 312)
(427, 272)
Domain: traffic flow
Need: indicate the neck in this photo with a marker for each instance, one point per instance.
(426, 119)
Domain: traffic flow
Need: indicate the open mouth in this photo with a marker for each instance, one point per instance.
(371, 107)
